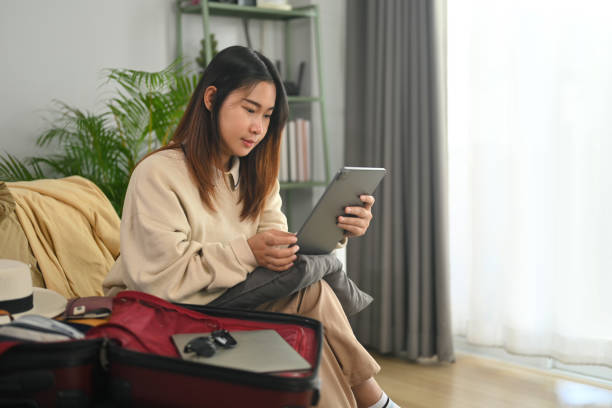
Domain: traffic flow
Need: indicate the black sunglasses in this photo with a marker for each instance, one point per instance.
(206, 346)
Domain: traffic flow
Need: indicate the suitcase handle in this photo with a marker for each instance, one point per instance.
(27, 381)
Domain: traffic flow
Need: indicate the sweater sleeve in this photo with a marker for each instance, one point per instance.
(158, 253)
(272, 216)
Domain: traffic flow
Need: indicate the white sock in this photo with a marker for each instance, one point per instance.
(385, 402)
(382, 402)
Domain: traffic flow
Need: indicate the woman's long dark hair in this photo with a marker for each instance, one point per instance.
(197, 134)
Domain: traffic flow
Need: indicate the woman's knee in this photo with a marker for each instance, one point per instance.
(318, 295)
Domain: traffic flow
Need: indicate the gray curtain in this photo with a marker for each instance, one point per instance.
(395, 118)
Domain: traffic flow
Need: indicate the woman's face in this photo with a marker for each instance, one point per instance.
(244, 118)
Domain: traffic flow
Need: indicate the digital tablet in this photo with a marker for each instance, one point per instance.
(320, 234)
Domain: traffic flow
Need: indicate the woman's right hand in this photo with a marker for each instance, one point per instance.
(265, 246)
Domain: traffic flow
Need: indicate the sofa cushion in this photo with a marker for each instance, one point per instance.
(13, 242)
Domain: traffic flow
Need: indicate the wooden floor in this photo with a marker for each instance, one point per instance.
(475, 382)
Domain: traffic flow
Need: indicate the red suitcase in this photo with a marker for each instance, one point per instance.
(144, 368)
(60, 374)
(131, 361)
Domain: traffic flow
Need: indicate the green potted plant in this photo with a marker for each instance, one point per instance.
(104, 147)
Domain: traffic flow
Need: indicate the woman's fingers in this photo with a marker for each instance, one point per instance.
(277, 238)
(352, 221)
(282, 252)
(359, 212)
(281, 261)
(352, 230)
(355, 227)
(274, 249)
(358, 220)
(368, 201)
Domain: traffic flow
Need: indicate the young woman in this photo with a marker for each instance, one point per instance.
(202, 212)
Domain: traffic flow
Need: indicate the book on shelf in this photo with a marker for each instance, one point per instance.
(306, 150)
(292, 146)
(299, 150)
(296, 149)
(283, 175)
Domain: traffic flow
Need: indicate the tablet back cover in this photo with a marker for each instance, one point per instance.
(320, 234)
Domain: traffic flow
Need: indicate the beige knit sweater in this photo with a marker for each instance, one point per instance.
(175, 247)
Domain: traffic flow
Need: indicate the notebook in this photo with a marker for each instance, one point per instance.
(260, 351)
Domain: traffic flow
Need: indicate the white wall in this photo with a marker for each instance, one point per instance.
(57, 49)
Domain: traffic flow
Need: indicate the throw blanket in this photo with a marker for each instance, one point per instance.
(13, 241)
(73, 231)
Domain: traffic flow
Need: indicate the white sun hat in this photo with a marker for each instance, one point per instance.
(18, 297)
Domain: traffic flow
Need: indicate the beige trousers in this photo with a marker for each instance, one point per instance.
(344, 361)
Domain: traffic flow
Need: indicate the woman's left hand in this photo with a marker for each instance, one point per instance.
(358, 220)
